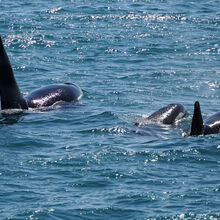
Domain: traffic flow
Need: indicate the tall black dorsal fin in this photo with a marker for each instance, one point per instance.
(6, 72)
(9, 90)
(197, 127)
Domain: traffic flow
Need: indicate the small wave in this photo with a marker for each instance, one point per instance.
(22, 40)
(132, 16)
(117, 130)
(188, 215)
(54, 10)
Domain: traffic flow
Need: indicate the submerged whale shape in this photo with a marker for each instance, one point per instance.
(11, 97)
(167, 115)
(211, 125)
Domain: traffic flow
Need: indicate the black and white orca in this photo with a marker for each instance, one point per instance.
(12, 98)
(167, 115)
(211, 125)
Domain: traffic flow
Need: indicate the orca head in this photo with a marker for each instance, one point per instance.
(197, 127)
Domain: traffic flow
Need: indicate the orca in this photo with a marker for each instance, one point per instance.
(12, 98)
(167, 115)
(211, 125)
(49, 95)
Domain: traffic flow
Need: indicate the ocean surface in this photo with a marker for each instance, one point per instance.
(89, 160)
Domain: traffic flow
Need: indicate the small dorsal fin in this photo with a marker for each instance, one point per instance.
(197, 127)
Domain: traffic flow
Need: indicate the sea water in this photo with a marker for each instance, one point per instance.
(89, 160)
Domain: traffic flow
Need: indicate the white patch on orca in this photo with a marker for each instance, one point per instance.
(180, 115)
(80, 97)
(14, 111)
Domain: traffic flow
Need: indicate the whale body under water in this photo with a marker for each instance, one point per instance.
(211, 125)
(12, 98)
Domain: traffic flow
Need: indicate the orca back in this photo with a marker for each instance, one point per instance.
(168, 114)
(49, 95)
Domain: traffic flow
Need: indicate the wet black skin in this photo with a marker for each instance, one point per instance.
(167, 115)
(211, 125)
(49, 95)
(11, 97)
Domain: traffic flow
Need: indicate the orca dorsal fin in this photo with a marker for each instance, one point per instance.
(6, 73)
(9, 91)
(197, 127)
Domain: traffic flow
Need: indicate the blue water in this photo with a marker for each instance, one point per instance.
(89, 161)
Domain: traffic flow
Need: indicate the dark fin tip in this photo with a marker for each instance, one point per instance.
(1, 43)
(196, 104)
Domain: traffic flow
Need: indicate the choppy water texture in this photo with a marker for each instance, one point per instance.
(89, 161)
